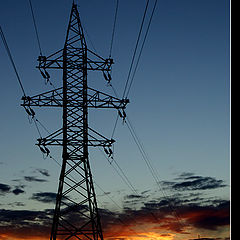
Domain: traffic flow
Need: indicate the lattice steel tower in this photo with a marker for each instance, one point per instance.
(76, 213)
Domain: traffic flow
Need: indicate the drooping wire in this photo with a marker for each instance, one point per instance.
(135, 50)
(90, 40)
(41, 124)
(35, 27)
(140, 53)
(38, 40)
(128, 123)
(121, 173)
(115, 126)
(152, 169)
(35, 120)
(11, 59)
(35, 123)
(124, 177)
(115, 92)
(114, 26)
(141, 149)
(31, 113)
(119, 219)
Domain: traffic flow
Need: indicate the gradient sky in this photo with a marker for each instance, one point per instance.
(179, 107)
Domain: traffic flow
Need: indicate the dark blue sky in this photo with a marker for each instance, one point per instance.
(179, 101)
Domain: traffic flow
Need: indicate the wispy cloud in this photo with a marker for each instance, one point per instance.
(34, 179)
(45, 197)
(43, 172)
(4, 188)
(18, 191)
(191, 182)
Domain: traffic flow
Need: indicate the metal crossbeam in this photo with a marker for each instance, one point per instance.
(54, 98)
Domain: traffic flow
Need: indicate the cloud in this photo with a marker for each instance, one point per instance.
(18, 191)
(45, 197)
(201, 183)
(156, 215)
(162, 216)
(208, 217)
(134, 196)
(14, 204)
(189, 182)
(44, 172)
(22, 216)
(155, 219)
(34, 179)
(25, 224)
(4, 188)
(18, 204)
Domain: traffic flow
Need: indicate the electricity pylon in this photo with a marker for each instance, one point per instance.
(76, 213)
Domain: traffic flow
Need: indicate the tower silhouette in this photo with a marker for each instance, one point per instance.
(76, 214)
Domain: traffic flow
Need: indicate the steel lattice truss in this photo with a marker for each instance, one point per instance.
(76, 213)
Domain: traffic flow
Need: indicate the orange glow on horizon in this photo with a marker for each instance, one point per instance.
(125, 236)
(8, 237)
(145, 236)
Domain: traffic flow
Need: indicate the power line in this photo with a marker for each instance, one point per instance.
(151, 169)
(115, 125)
(122, 174)
(140, 53)
(30, 112)
(11, 59)
(114, 26)
(141, 149)
(119, 219)
(35, 27)
(138, 38)
(128, 123)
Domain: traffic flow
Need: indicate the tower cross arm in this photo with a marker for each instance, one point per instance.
(95, 139)
(94, 61)
(54, 98)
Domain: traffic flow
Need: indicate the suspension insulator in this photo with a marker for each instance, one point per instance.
(124, 114)
(106, 151)
(47, 74)
(43, 150)
(120, 114)
(47, 151)
(43, 74)
(109, 77)
(28, 112)
(32, 112)
(105, 76)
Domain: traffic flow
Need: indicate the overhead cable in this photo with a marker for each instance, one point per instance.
(114, 26)
(135, 50)
(121, 173)
(152, 170)
(11, 59)
(140, 53)
(35, 27)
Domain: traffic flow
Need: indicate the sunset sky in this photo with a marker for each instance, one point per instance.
(179, 109)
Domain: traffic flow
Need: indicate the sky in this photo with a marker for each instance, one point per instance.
(179, 108)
